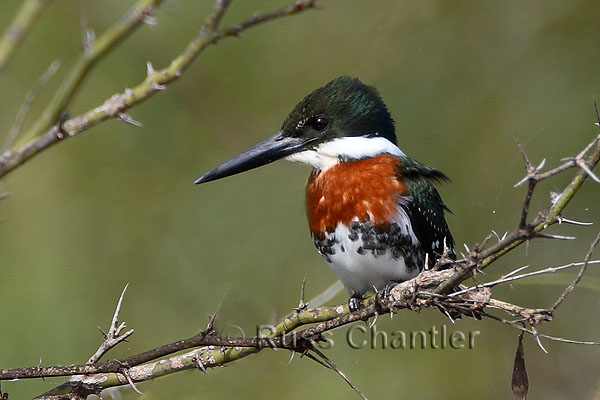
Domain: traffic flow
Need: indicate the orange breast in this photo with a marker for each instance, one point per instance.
(366, 188)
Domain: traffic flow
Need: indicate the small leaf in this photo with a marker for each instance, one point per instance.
(520, 383)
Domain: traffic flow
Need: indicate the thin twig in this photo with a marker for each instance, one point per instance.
(518, 326)
(511, 277)
(570, 288)
(512, 240)
(18, 124)
(103, 44)
(339, 372)
(532, 181)
(113, 337)
(21, 24)
(156, 80)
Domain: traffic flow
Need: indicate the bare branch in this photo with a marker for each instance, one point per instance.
(512, 277)
(14, 34)
(532, 181)
(570, 288)
(113, 337)
(121, 102)
(482, 259)
(114, 35)
(518, 326)
(339, 372)
(297, 7)
(17, 125)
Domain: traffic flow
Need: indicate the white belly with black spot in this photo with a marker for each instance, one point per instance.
(366, 261)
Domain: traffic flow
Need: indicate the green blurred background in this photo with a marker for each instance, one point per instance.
(463, 80)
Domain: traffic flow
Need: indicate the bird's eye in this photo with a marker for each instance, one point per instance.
(318, 123)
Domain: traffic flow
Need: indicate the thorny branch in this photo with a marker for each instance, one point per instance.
(481, 257)
(571, 286)
(303, 327)
(113, 337)
(93, 51)
(155, 81)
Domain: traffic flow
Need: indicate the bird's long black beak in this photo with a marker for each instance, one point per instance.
(274, 148)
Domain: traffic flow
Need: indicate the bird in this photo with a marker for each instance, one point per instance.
(373, 213)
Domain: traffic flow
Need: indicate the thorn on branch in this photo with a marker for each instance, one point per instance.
(150, 20)
(127, 119)
(125, 373)
(149, 68)
(315, 359)
(88, 35)
(113, 336)
(562, 219)
(302, 305)
(210, 326)
(375, 318)
(556, 237)
(197, 359)
(583, 165)
(480, 246)
(291, 357)
(531, 170)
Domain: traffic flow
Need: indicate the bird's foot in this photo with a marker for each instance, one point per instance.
(354, 302)
(387, 290)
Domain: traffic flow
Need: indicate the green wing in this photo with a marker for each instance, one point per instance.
(425, 208)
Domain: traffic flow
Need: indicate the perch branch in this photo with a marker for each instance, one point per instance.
(303, 327)
(412, 294)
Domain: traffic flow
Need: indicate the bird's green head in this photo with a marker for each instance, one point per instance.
(342, 121)
(344, 107)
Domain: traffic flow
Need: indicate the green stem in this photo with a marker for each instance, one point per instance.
(156, 80)
(21, 24)
(99, 48)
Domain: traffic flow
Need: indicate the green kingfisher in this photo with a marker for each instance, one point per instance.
(373, 212)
